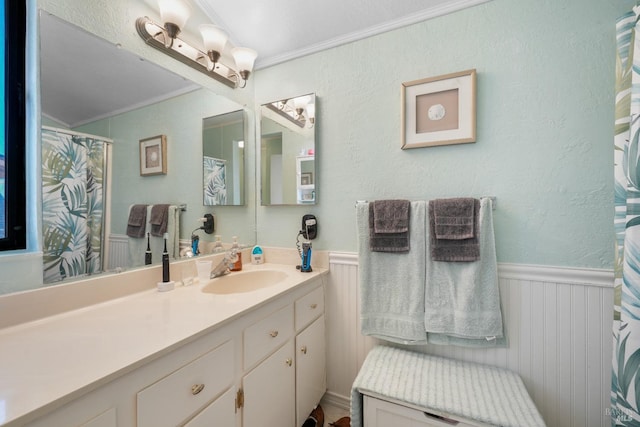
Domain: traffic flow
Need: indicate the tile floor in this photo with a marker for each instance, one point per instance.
(333, 413)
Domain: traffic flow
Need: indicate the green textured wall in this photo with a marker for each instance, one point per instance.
(544, 133)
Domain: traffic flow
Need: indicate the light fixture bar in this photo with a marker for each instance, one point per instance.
(155, 36)
(288, 113)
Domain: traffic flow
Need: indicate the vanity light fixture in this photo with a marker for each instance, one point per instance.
(174, 15)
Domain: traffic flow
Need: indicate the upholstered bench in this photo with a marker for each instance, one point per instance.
(401, 388)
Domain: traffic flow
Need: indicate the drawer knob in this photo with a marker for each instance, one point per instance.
(289, 362)
(303, 349)
(273, 334)
(197, 388)
(314, 306)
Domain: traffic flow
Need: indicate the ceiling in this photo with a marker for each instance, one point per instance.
(84, 78)
(280, 30)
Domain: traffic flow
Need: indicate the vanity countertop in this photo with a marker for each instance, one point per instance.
(48, 362)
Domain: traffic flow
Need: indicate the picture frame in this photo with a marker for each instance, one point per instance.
(439, 110)
(306, 178)
(153, 156)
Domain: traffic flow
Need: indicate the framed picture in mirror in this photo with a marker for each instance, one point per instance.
(439, 110)
(306, 178)
(153, 156)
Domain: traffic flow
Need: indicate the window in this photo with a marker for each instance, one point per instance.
(12, 120)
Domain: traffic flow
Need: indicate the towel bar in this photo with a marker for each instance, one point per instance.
(494, 201)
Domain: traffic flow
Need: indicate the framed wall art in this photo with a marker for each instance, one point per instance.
(439, 110)
(153, 156)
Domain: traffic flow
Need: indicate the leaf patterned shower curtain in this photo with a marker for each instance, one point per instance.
(72, 205)
(625, 387)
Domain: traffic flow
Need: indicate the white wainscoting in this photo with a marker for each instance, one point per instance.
(558, 322)
(118, 251)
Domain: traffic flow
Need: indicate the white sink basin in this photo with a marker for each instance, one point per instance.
(246, 281)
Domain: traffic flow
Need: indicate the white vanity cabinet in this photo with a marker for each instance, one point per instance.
(310, 340)
(290, 381)
(264, 367)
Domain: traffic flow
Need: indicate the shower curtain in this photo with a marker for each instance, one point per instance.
(625, 384)
(73, 170)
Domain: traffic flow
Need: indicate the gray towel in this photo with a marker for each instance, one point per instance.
(459, 250)
(454, 219)
(136, 222)
(391, 216)
(159, 219)
(389, 226)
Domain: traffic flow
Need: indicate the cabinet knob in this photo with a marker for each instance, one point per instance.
(273, 334)
(289, 362)
(303, 349)
(313, 306)
(197, 388)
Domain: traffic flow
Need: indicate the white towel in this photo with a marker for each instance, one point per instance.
(462, 299)
(392, 284)
(138, 247)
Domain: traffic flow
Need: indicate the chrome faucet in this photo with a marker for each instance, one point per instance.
(223, 268)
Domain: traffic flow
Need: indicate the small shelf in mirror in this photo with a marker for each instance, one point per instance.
(305, 183)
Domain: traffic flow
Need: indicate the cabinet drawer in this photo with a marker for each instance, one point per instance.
(381, 413)
(309, 307)
(266, 335)
(221, 412)
(178, 396)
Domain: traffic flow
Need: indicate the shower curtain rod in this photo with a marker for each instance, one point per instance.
(72, 133)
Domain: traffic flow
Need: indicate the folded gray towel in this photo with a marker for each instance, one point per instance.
(159, 219)
(136, 222)
(461, 250)
(391, 216)
(454, 219)
(387, 241)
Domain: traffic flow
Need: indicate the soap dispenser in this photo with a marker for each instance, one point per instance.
(218, 246)
(237, 265)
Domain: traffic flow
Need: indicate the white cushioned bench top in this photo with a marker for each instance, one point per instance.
(478, 392)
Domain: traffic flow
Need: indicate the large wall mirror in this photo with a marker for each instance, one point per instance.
(288, 151)
(79, 98)
(223, 159)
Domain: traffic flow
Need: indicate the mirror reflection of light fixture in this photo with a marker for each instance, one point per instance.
(311, 114)
(295, 110)
(174, 15)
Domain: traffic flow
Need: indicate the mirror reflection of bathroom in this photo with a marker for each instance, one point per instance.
(288, 151)
(93, 95)
(223, 159)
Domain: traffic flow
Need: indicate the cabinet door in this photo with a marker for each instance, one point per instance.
(310, 369)
(269, 391)
(219, 413)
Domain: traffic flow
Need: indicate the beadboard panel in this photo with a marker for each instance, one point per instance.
(558, 322)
